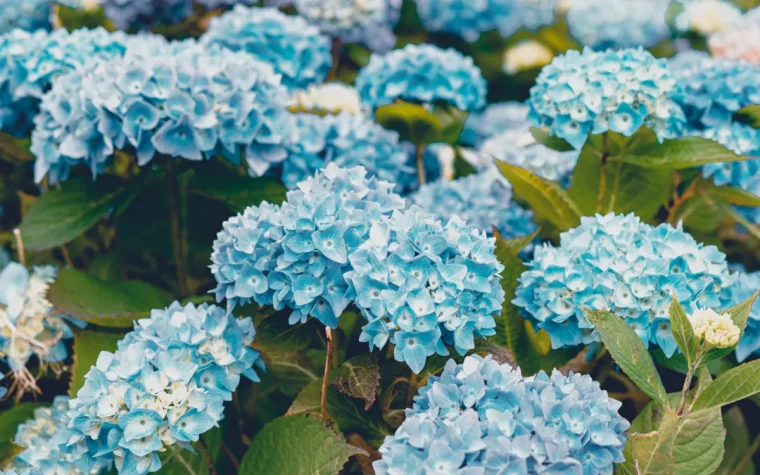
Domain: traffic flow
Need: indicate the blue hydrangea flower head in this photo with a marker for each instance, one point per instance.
(368, 22)
(423, 284)
(30, 61)
(619, 264)
(483, 417)
(742, 140)
(144, 14)
(424, 74)
(165, 385)
(602, 24)
(495, 119)
(483, 200)
(518, 147)
(744, 287)
(346, 140)
(711, 90)
(28, 324)
(594, 92)
(292, 46)
(192, 102)
(296, 255)
(29, 15)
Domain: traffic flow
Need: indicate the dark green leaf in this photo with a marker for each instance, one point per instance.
(737, 443)
(76, 18)
(749, 115)
(733, 385)
(543, 137)
(87, 347)
(8, 452)
(177, 460)
(351, 417)
(629, 352)
(683, 332)
(652, 452)
(107, 304)
(359, 377)
(678, 154)
(238, 192)
(734, 196)
(702, 213)
(413, 122)
(274, 334)
(61, 215)
(107, 266)
(14, 149)
(14, 416)
(452, 122)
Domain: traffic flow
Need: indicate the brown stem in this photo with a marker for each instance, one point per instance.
(679, 200)
(687, 386)
(411, 390)
(67, 257)
(336, 46)
(175, 217)
(421, 164)
(207, 453)
(230, 455)
(20, 246)
(326, 377)
(747, 456)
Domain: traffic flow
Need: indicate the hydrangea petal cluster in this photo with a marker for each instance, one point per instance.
(518, 147)
(495, 119)
(483, 200)
(142, 14)
(346, 140)
(714, 329)
(165, 385)
(29, 15)
(369, 22)
(195, 103)
(292, 46)
(602, 24)
(594, 92)
(527, 55)
(706, 17)
(619, 264)
(740, 42)
(28, 325)
(30, 61)
(742, 140)
(424, 74)
(745, 285)
(295, 255)
(328, 98)
(711, 90)
(481, 417)
(422, 284)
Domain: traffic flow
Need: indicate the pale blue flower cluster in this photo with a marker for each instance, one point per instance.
(347, 140)
(594, 92)
(518, 147)
(296, 255)
(369, 22)
(740, 139)
(469, 19)
(483, 200)
(422, 74)
(29, 15)
(481, 417)
(422, 284)
(744, 287)
(495, 119)
(711, 90)
(165, 385)
(192, 103)
(142, 14)
(620, 264)
(30, 61)
(602, 24)
(292, 46)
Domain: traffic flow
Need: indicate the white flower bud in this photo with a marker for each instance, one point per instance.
(526, 55)
(717, 330)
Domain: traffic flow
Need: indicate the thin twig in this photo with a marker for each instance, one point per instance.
(336, 46)
(20, 246)
(421, 164)
(67, 257)
(175, 216)
(231, 455)
(207, 453)
(411, 390)
(326, 377)
(747, 456)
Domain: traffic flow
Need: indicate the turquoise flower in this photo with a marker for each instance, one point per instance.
(740, 139)
(595, 92)
(483, 417)
(495, 119)
(29, 15)
(602, 24)
(422, 284)
(423, 74)
(744, 287)
(619, 264)
(293, 47)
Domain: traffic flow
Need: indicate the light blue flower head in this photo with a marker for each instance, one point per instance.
(292, 46)
(518, 147)
(195, 103)
(29, 15)
(481, 417)
(424, 74)
(368, 22)
(710, 90)
(495, 119)
(744, 287)
(295, 255)
(165, 385)
(602, 24)
(594, 92)
(28, 324)
(422, 284)
(619, 264)
(740, 139)
(144, 14)
(29, 62)
(346, 140)
(483, 200)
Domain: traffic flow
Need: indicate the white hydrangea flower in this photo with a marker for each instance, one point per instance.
(716, 329)
(329, 97)
(708, 16)
(526, 55)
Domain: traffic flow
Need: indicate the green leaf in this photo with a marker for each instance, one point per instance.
(516, 245)
(87, 347)
(359, 377)
(452, 122)
(274, 334)
(543, 137)
(307, 401)
(221, 183)
(177, 460)
(677, 154)
(61, 215)
(351, 417)
(749, 115)
(289, 372)
(412, 121)
(652, 452)
(629, 353)
(76, 18)
(13, 417)
(734, 196)
(751, 227)
(733, 385)
(104, 303)
(683, 332)
(702, 212)
(14, 149)
(296, 445)
(546, 198)
(8, 452)
(737, 443)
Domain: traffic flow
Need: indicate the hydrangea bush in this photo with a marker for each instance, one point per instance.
(30, 15)
(618, 23)
(493, 120)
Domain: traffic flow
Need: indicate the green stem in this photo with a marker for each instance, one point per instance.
(179, 244)
(687, 386)
(421, 164)
(326, 377)
(747, 456)
(336, 46)
(209, 458)
(411, 390)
